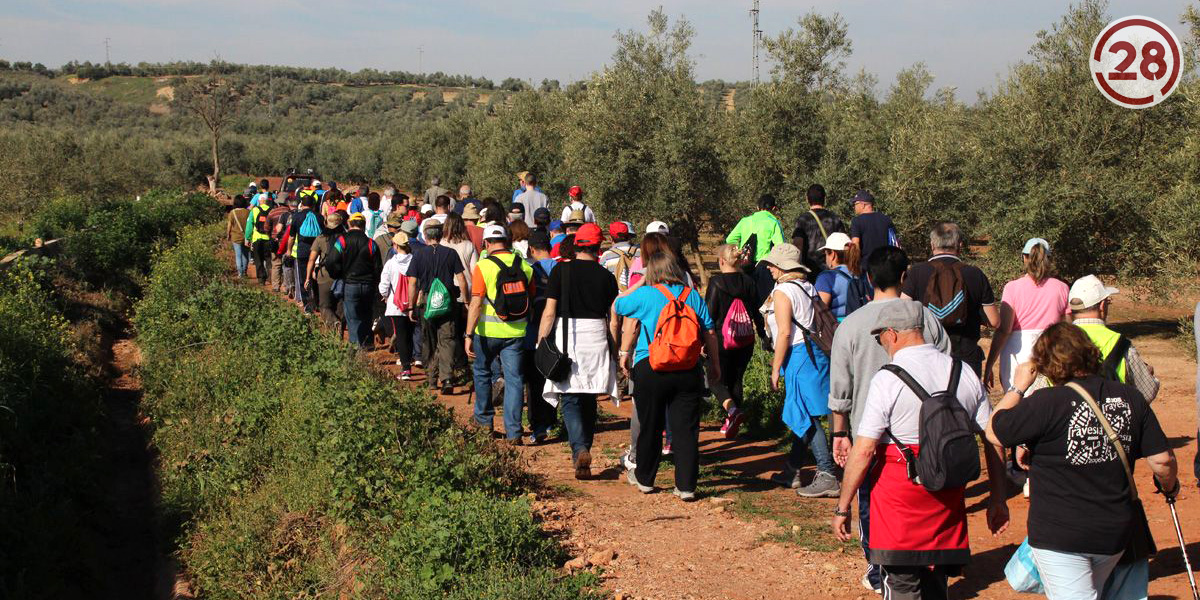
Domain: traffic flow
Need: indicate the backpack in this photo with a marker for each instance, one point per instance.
(374, 221)
(676, 342)
(437, 299)
(949, 456)
(624, 261)
(1108, 368)
(340, 246)
(738, 330)
(945, 294)
(400, 294)
(824, 324)
(856, 291)
(512, 290)
(262, 223)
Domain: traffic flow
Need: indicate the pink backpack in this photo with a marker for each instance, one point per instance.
(738, 330)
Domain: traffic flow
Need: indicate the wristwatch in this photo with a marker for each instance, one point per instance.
(841, 513)
(839, 434)
(1014, 389)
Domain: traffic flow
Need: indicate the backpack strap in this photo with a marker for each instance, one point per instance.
(820, 225)
(1114, 358)
(912, 384)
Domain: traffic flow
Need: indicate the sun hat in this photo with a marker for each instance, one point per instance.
(589, 235)
(521, 175)
(619, 227)
(836, 241)
(1088, 291)
(333, 220)
(495, 232)
(1035, 242)
(658, 227)
(786, 257)
(900, 315)
(470, 213)
(395, 220)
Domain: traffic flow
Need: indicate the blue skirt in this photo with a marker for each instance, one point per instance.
(806, 387)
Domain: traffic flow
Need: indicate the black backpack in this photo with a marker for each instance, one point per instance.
(856, 291)
(949, 456)
(262, 222)
(512, 301)
(1108, 368)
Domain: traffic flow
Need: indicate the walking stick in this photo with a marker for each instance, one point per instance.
(1187, 564)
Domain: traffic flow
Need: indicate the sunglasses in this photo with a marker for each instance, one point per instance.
(877, 340)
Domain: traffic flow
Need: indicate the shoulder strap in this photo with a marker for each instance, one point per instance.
(955, 375)
(912, 384)
(1116, 355)
(1112, 435)
(820, 225)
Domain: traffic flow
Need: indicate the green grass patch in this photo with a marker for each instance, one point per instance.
(134, 90)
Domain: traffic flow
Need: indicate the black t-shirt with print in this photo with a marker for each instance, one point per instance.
(592, 289)
(1078, 495)
(977, 288)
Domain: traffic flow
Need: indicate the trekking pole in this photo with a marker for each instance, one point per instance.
(1187, 564)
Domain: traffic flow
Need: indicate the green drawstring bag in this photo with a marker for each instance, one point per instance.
(437, 301)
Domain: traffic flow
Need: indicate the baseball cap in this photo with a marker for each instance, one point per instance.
(395, 220)
(495, 232)
(786, 257)
(516, 209)
(1088, 291)
(1035, 242)
(556, 224)
(410, 227)
(658, 227)
(575, 191)
(542, 214)
(619, 227)
(863, 196)
(426, 208)
(589, 235)
(358, 218)
(836, 241)
(900, 315)
(316, 183)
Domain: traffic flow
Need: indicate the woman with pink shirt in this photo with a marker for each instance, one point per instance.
(1028, 306)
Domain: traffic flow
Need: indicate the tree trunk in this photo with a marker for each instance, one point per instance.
(214, 180)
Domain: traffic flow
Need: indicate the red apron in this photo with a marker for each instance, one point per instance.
(910, 525)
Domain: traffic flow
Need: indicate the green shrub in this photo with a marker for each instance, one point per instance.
(1185, 336)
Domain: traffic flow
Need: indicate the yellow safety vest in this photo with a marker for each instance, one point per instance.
(1104, 339)
(489, 324)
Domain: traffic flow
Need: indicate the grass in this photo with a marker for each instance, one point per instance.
(1185, 336)
(802, 522)
(134, 90)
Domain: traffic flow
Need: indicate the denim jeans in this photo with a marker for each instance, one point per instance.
(241, 258)
(1074, 575)
(815, 441)
(509, 350)
(579, 416)
(358, 301)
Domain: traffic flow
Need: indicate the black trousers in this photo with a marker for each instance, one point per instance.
(263, 257)
(541, 414)
(733, 373)
(968, 351)
(914, 583)
(400, 329)
(683, 392)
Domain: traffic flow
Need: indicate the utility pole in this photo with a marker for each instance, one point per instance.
(107, 59)
(756, 40)
(420, 59)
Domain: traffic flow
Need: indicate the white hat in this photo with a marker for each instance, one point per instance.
(836, 241)
(1088, 291)
(658, 227)
(495, 232)
(316, 182)
(426, 208)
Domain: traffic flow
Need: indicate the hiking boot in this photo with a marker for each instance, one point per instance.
(685, 496)
(787, 478)
(583, 465)
(631, 477)
(824, 485)
(627, 461)
(733, 422)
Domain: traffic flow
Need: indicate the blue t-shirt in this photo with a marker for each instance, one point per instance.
(839, 288)
(461, 204)
(646, 302)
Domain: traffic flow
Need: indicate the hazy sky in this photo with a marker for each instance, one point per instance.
(967, 44)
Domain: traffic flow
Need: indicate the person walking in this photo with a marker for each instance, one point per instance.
(814, 227)
(958, 293)
(870, 229)
(854, 359)
(318, 272)
(580, 295)
(756, 235)
(278, 219)
(1028, 306)
(501, 297)
(670, 386)
(434, 190)
(575, 203)
(918, 536)
(1084, 513)
(437, 282)
(465, 198)
(842, 285)
(542, 414)
(235, 230)
(803, 367)
(619, 257)
(258, 237)
(357, 261)
(1089, 300)
(458, 239)
(306, 228)
(470, 217)
(731, 297)
(531, 199)
(393, 287)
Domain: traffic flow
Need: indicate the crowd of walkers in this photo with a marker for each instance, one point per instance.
(545, 312)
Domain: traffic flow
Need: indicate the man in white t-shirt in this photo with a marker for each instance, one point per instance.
(532, 199)
(576, 204)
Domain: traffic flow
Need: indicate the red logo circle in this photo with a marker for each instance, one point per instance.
(1136, 62)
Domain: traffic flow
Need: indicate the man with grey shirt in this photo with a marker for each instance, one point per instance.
(532, 199)
(435, 190)
(854, 360)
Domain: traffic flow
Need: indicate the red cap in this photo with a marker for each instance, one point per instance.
(575, 191)
(589, 235)
(617, 228)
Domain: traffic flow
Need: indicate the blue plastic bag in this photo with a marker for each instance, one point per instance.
(1020, 571)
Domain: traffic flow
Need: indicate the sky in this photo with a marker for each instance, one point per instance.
(965, 44)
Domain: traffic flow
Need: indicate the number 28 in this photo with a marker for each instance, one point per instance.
(1153, 54)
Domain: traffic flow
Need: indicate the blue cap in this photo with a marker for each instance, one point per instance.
(556, 224)
(1035, 242)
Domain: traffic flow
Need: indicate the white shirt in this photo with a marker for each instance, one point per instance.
(800, 293)
(396, 266)
(532, 200)
(588, 215)
(385, 204)
(893, 406)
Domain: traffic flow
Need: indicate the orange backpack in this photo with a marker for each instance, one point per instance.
(676, 343)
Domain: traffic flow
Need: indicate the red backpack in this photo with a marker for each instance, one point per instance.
(676, 343)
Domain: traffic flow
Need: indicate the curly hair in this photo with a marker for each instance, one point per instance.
(1064, 352)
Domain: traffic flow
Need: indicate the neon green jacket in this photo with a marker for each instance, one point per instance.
(765, 225)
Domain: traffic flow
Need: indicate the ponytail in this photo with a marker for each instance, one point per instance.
(1039, 267)
(851, 257)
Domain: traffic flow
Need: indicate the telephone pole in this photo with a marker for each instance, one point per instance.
(756, 41)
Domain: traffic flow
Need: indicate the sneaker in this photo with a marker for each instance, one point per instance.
(418, 364)
(583, 465)
(787, 478)
(537, 439)
(866, 582)
(627, 461)
(732, 423)
(824, 485)
(406, 375)
(685, 496)
(632, 479)
(666, 449)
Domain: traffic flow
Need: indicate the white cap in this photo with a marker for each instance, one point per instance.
(1088, 291)
(316, 182)
(836, 241)
(426, 208)
(658, 227)
(495, 232)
